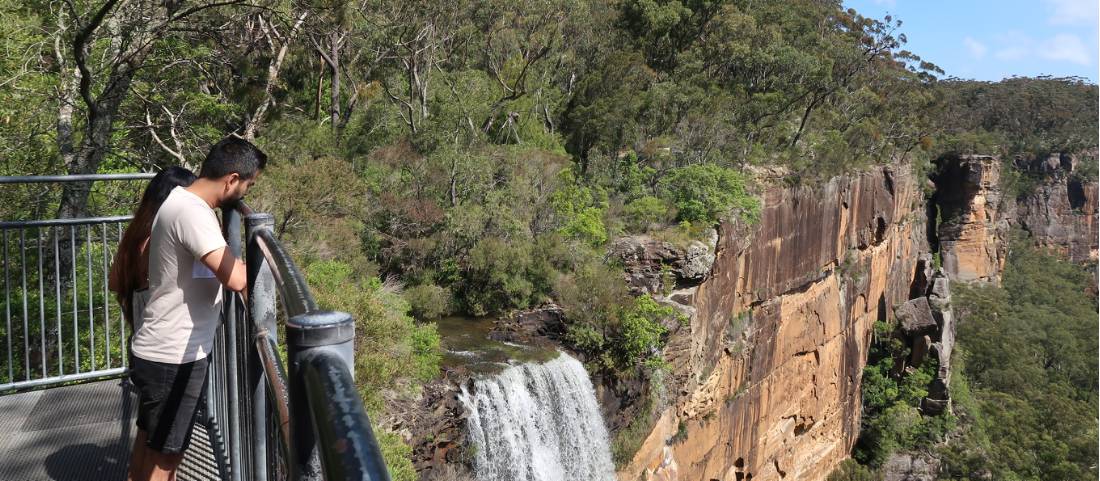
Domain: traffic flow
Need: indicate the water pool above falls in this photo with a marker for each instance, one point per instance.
(538, 422)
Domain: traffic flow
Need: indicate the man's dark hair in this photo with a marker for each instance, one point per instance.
(233, 155)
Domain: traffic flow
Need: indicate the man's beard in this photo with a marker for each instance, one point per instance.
(232, 201)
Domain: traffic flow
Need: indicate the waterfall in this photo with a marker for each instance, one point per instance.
(538, 422)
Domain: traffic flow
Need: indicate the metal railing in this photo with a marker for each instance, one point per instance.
(304, 421)
(61, 324)
(301, 419)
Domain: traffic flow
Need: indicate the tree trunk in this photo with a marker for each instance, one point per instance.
(334, 91)
(320, 86)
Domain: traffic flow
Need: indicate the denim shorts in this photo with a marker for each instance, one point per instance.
(169, 397)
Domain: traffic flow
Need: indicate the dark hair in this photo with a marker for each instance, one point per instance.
(130, 266)
(233, 155)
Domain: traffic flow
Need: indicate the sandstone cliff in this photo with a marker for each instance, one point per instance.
(768, 373)
(972, 218)
(1060, 213)
(973, 215)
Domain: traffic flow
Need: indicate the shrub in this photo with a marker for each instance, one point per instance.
(707, 192)
(397, 454)
(850, 470)
(428, 301)
(640, 329)
(586, 225)
(501, 275)
(644, 212)
(891, 420)
(387, 341)
(580, 210)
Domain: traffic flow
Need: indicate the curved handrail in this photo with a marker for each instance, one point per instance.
(321, 384)
(349, 449)
(292, 284)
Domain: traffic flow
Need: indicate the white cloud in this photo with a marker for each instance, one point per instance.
(976, 48)
(1065, 47)
(888, 3)
(1072, 12)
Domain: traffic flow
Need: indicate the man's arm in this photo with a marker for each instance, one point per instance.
(227, 268)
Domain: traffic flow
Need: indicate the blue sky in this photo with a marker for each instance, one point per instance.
(994, 39)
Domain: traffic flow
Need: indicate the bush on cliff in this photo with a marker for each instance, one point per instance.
(616, 333)
(706, 193)
(891, 419)
(393, 354)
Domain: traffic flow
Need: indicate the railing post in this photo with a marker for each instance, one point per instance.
(306, 333)
(261, 309)
(231, 221)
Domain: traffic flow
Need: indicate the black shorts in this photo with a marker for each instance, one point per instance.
(169, 397)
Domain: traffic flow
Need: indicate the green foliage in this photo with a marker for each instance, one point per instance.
(640, 328)
(891, 419)
(1028, 392)
(581, 209)
(706, 193)
(1019, 115)
(397, 454)
(617, 331)
(428, 301)
(851, 470)
(390, 346)
(644, 212)
(502, 275)
(627, 441)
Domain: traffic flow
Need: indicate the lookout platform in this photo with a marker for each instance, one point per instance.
(83, 432)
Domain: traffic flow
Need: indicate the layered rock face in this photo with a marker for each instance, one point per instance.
(973, 220)
(1061, 213)
(767, 376)
(975, 216)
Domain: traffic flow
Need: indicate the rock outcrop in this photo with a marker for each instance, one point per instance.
(767, 375)
(942, 345)
(926, 323)
(910, 467)
(973, 218)
(435, 426)
(539, 326)
(1061, 212)
(652, 266)
(1057, 209)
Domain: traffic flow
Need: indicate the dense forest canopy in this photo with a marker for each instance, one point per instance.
(1024, 383)
(476, 157)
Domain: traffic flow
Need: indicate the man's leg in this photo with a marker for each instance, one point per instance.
(137, 458)
(169, 417)
(162, 467)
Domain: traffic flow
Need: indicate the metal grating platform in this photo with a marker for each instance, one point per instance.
(82, 433)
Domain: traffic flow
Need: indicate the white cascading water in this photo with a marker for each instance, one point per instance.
(538, 422)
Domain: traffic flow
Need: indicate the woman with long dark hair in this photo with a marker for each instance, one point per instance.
(130, 271)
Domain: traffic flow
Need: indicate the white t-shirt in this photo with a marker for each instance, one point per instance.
(185, 299)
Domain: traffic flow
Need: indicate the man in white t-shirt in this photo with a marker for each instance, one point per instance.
(189, 262)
